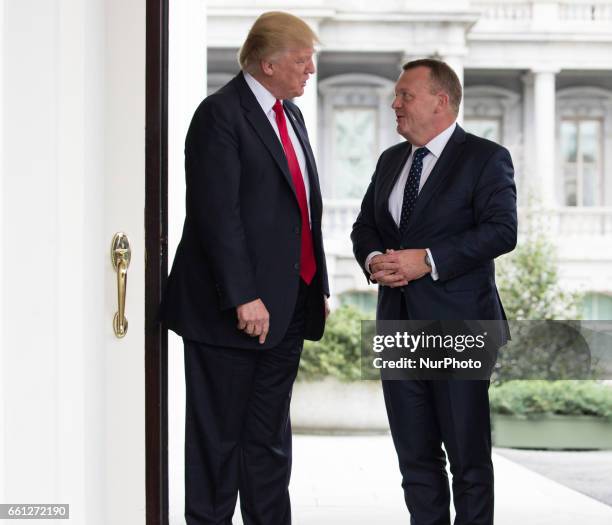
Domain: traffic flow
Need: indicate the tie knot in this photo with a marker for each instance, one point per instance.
(278, 107)
(420, 153)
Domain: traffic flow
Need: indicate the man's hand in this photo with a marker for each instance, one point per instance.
(389, 278)
(408, 263)
(326, 306)
(375, 263)
(254, 319)
(382, 276)
(398, 268)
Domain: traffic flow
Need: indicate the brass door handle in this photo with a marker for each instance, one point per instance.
(121, 254)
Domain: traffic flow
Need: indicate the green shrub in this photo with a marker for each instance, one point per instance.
(530, 398)
(337, 354)
(528, 283)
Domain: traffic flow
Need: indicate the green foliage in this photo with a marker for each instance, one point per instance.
(338, 353)
(528, 280)
(528, 283)
(530, 398)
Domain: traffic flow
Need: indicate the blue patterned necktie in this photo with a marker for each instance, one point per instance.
(411, 189)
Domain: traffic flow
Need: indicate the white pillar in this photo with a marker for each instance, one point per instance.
(187, 88)
(543, 167)
(2, 345)
(309, 105)
(527, 177)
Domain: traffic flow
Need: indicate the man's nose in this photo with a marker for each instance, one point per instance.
(311, 67)
(396, 103)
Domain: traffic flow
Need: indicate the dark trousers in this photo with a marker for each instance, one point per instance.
(238, 431)
(423, 415)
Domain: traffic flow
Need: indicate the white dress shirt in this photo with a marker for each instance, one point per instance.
(396, 197)
(266, 101)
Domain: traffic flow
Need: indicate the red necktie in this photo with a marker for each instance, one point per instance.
(308, 265)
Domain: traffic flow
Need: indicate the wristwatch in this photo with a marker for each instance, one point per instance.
(427, 260)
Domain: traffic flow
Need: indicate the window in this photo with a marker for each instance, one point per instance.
(355, 150)
(597, 307)
(357, 123)
(494, 113)
(581, 152)
(488, 128)
(584, 139)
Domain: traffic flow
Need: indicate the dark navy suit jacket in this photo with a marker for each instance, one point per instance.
(242, 231)
(465, 214)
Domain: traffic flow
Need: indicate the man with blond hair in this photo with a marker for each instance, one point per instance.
(249, 281)
(440, 208)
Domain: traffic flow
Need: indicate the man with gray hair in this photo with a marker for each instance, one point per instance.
(249, 281)
(440, 208)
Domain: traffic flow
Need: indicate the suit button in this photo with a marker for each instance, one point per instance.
(296, 230)
(296, 266)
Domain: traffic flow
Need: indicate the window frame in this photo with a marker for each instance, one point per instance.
(586, 103)
(345, 90)
(600, 174)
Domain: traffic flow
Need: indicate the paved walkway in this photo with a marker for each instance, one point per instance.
(342, 480)
(587, 471)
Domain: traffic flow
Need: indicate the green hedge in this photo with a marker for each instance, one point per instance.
(530, 398)
(338, 353)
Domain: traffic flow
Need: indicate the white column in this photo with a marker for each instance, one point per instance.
(309, 104)
(187, 88)
(526, 189)
(543, 167)
(2, 344)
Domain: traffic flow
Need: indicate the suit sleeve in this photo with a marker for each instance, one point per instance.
(494, 203)
(213, 171)
(365, 236)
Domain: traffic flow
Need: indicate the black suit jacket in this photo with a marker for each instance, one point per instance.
(241, 237)
(465, 214)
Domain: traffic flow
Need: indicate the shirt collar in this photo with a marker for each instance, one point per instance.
(264, 97)
(438, 143)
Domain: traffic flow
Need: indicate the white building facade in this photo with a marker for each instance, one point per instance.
(537, 78)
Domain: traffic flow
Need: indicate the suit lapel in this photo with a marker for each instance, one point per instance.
(260, 123)
(442, 170)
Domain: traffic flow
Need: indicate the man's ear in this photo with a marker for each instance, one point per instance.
(443, 102)
(267, 67)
